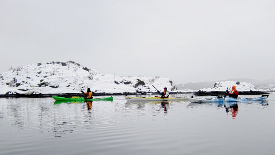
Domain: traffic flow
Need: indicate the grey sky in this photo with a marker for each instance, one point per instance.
(185, 40)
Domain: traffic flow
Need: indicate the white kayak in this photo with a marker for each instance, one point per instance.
(226, 99)
(152, 99)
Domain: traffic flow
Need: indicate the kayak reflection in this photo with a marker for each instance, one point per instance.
(89, 103)
(156, 106)
(230, 107)
(69, 102)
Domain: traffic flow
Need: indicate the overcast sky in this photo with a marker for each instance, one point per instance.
(184, 40)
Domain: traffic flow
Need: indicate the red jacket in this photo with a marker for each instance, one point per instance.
(234, 94)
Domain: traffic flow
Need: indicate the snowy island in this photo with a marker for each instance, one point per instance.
(53, 78)
(70, 78)
(244, 88)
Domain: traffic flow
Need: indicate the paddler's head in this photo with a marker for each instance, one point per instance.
(233, 87)
(88, 90)
(165, 89)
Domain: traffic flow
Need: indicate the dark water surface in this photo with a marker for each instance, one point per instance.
(38, 126)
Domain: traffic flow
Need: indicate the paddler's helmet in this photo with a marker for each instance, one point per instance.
(164, 88)
(234, 87)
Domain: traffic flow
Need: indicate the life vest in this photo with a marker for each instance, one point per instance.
(164, 93)
(89, 94)
(234, 94)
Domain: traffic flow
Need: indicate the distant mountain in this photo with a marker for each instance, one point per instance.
(71, 77)
(195, 86)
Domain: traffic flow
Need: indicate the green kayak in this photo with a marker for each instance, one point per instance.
(79, 99)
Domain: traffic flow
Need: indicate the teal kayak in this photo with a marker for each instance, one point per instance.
(81, 99)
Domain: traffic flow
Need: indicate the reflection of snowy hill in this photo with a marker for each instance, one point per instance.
(71, 77)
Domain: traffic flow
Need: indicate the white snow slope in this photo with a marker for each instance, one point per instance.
(71, 77)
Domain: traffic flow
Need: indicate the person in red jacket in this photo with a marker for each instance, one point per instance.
(233, 93)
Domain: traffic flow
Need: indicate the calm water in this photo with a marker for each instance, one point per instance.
(38, 126)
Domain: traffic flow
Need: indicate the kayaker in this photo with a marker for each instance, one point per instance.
(89, 94)
(233, 93)
(165, 93)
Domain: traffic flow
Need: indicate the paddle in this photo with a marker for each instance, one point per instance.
(84, 95)
(226, 92)
(156, 89)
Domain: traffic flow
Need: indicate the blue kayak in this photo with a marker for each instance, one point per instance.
(226, 99)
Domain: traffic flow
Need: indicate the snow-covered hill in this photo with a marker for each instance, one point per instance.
(245, 83)
(223, 85)
(71, 77)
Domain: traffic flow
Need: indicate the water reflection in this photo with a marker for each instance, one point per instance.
(59, 119)
(70, 116)
(41, 114)
(23, 112)
(231, 108)
(156, 106)
(89, 105)
(29, 126)
(68, 102)
(165, 106)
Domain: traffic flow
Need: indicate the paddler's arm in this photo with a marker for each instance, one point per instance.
(159, 92)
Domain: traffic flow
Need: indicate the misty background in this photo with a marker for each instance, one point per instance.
(186, 41)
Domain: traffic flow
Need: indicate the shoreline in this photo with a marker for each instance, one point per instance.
(80, 94)
(197, 93)
(217, 93)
